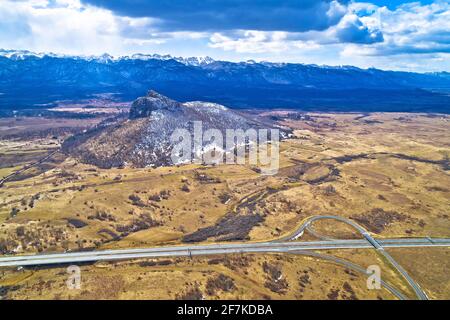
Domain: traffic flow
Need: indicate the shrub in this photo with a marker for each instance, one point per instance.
(221, 282)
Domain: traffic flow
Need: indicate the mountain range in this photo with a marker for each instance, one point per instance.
(37, 80)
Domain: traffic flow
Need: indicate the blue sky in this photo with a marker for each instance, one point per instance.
(396, 34)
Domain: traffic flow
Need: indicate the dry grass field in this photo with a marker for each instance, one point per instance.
(224, 277)
(388, 172)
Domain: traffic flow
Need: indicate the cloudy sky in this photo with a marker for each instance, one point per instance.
(387, 34)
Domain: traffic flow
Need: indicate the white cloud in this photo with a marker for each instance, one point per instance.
(61, 25)
(67, 26)
(251, 42)
(412, 29)
(416, 37)
(411, 37)
(350, 29)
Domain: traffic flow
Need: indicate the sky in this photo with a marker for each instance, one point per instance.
(387, 34)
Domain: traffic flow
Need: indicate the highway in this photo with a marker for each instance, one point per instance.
(377, 244)
(282, 245)
(212, 249)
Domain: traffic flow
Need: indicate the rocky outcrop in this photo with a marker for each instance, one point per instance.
(144, 106)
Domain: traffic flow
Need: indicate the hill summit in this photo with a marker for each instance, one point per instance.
(153, 101)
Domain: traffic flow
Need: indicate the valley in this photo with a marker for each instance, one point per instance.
(386, 171)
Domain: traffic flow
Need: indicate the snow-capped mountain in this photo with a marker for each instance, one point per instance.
(21, 54)
(105, 58)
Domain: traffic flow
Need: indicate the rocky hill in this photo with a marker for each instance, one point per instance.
(143, 139)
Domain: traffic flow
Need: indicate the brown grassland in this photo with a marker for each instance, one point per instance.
(388, 172)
